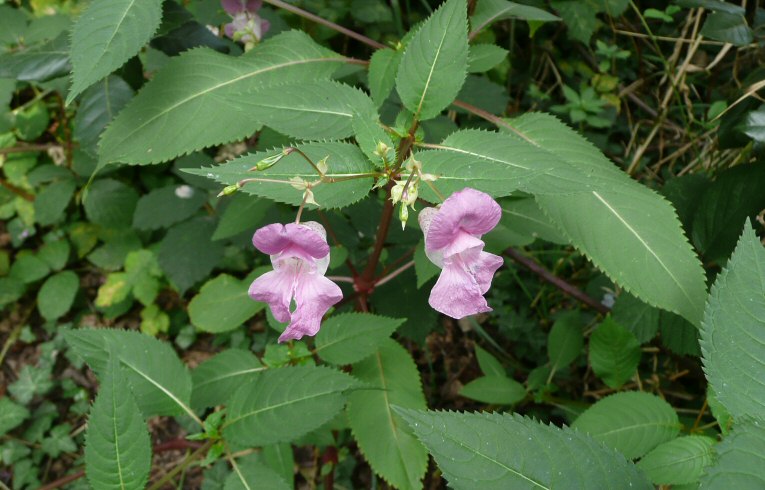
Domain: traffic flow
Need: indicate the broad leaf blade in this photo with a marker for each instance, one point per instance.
(434, 65)
(98, 106)
(348, 338)
(253, 475)
(222, 305)
(106, 35)
(386, 442)
(632, 422)
(614, 353)
(163, 120)
(500, 451)
(680, 461)
(733, 331)
(740, 459)
(215, 379)
(117, 445)
(383, 66)
(282, 404)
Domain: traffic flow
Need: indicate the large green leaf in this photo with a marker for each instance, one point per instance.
(218, 377)
(383, 437)
(632, 234)
(680, 461)
(740, 459)
(222, 305)
(117, 445)
(38, 63)
(502, 451)
(349, 338)
(280, 405)
(343, 160)
(196, 99)
(632, 422)
(434, 65)
(252, 475)
(614, 353)
(159, 380)
(106, 35)
(733, 331)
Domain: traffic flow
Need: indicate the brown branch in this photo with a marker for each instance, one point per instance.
(367, 277)
(63, 481)
(320, 20)
(559, 283)
(17, 190)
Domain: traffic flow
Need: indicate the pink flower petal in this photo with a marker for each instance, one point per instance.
(482, 266)
(314, 295)
(470, 211)
(302, 240)
(456, 293)
(233, 7)
(276, 289)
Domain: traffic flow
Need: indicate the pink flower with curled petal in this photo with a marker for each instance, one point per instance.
(453, 242)
(300, 256)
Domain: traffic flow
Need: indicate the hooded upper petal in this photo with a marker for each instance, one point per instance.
(466, 212)
(314, 295)
(305, 240)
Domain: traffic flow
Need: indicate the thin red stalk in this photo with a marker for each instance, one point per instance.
(393, 274)
(382, 232)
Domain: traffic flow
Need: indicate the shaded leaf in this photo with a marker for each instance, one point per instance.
(350, 337)
(218, 377)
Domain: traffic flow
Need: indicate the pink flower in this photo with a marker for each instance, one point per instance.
(300, 256)
(453, 242)
(246, 26)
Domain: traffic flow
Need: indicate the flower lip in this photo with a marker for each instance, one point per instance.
(466, 212)
(303, 240)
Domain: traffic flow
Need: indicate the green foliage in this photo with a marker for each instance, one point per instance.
(222, 304)
(186, 254)
(494, 389)
(739, 459)
(565, 342)
(680, 461)
(614, 353)
(57, 294)
(510, 451)
(434, 64)
(99, 104)
(139, 279)
(383, 67)
(52, 201)
(272, 407)
(37, 63)
(110, 203)
(106, 35)
(11, 415)
(251, 475)
(117, 449)
(218, 377)
(632, 422)
(351, 337)
(159, 381)
(383, 437)
(167, 206)
(484, 57)
(733, 356)
(162, 121)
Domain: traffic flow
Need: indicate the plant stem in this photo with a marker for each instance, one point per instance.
(17, 190)
(319, 20)
(395, 273)
(341, 279)
(184, 464)
(299, 152)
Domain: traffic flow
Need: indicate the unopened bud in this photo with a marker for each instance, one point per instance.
(322, 165)
(403, 215)
(381, 150)
(269, 162)
(428, 177)
(228, 190)
(298, 183)
(397, 192)
(309, 198)
(409, 197)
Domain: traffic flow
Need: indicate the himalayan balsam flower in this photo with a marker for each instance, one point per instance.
(246, 26)
(300, 256)
(453, 242)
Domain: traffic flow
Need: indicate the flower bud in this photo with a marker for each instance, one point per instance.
(269, 162)
(322, 165)
(397, 192)
(228, 190)
(403, 215)
(409, 197)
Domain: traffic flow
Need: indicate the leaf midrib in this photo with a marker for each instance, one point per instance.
(231, 375)
(279, 405)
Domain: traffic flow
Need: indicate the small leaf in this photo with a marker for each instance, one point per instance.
(494, 389)
(728, 28)
(632, 422)
(350, 337)
(498, 451)
(740, 459)
(484, 57)
(680, 461)
(167, 206)
(11, 415)
(565, 341)
(434, 64)
(52, 201)
(252, 475)
(614, 353)
(57, 294)
(110, 203)
(280, 405)
(489, 11)
(222, 305)
(117, 445)
(218, 377)
(490, 366)
(187, 255)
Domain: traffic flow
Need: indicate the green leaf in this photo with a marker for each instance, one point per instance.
(52, 200)
(252, 475)
(28, 268)
(222, 305)
(163, 121)
(140, 277)
(117, 445)
(280, 405)
(243, 213)
(98, 106)
(167, 206)
(434, 64)
(37, 63)
(495, 389)
(350, 337)
(614, 353)
(187, 255)
(58, 441)
(154, 321)
(732, 339)
(740, 459)
(489, 11)
(11, 415)
(680, 461)
(383, 67)
(639, 318)
(490, 366)
(31, 381)
(523, 216)
(565, 341)
(57, 294)
(106, 35)
(625, 219)
(159, 380)
(425, 269)
(497, 451)
(678, 335)
(370, 135)
(308, 110)
(484, 57)
(387, 443)
(218, 377)
(579, 17)
(632, 422)
(728, 28)
(11, 289)
(754, 127)
(110, 203)
(343, 159)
